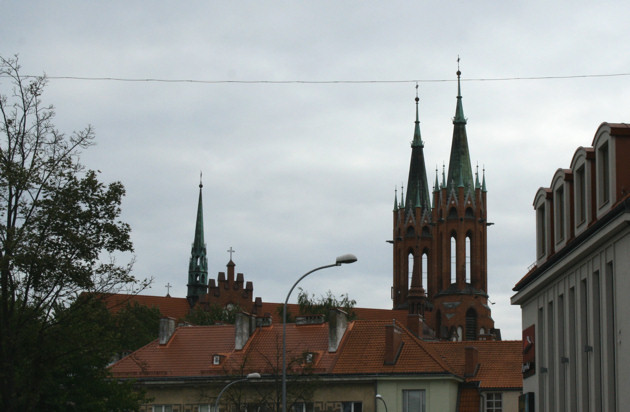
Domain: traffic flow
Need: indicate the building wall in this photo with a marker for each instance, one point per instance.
(572, 301)
(441, 394)
(187, 396)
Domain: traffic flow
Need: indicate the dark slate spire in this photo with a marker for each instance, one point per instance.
(198, 266)
(459, 168)
(417, 186)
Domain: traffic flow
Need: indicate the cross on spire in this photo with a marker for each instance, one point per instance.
(168, 287)
(230, 251)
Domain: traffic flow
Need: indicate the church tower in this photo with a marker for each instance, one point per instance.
(198, 266)
(440, 251)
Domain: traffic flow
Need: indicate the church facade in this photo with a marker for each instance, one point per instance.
(440, 243)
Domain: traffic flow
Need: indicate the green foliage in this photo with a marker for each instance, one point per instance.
(214, 314)
(59, 233)
(322, 305)
(135, 326)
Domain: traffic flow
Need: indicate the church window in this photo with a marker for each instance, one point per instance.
(410, 260)
(468, 260)
(425, 270)
(426, 232)
(453, 254)
(410, 232)
(469, 213)
(471, 324)
(459, 334)
(452, 214)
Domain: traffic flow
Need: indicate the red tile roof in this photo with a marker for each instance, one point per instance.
(171, 307)
(364, 352)
(500, 362)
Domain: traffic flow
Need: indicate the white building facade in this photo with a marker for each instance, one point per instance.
(574, 314)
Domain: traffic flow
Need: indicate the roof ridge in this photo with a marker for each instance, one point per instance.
(431, 352)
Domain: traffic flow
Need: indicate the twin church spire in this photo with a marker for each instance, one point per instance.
(440, 258)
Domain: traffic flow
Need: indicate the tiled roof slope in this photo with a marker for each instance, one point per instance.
(189, 352)
(363, 352)
(500, 362)
(176, 308)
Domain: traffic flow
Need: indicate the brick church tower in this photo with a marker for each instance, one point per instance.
(440, 249)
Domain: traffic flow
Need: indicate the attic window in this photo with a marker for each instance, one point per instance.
(216, 359)
(308, 357)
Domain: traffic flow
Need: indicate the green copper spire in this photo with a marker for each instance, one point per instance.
(417, 185)
(417, 139)
(459, 168)
(198, 266)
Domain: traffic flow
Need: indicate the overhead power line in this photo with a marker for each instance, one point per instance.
(201, 81)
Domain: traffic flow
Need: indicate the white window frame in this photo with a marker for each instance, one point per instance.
(493, 402)
(423, 400)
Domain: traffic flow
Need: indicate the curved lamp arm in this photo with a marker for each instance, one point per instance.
(343, 259)
(249, 376)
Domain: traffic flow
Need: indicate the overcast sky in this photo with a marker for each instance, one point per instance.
(296, 174)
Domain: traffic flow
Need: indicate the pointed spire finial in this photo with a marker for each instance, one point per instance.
(395, 198)
(200, 179)
(459, 110)
(477, 184)
(417, 138)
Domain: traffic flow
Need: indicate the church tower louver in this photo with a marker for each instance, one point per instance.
(198, 266)
(440, 250)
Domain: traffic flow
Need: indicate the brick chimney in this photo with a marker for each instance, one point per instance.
(167, 328)
(393, 343)
(245, 325)
(472, 361)
(337, 325)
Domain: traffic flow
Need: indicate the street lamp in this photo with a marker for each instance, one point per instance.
(254, 375)
(378, 396)
(348, 258)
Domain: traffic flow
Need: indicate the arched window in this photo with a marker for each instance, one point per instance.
(453, 259)
(410, 232)
(459, 334)
(471, 324)
(468, 260)
(452, 214)
(409, 268)
(425, 271)
(469, 213)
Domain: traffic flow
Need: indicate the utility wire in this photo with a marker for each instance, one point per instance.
(157, 80)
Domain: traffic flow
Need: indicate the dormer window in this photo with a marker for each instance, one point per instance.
(541, 230)
(559, 214)
(580, 195)
(603, 172)
(216, 360)
(308, 357)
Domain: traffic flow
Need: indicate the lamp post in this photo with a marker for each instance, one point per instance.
(378, 396)
(254, 375)
(348, 258)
